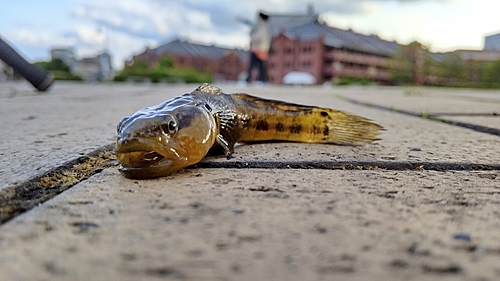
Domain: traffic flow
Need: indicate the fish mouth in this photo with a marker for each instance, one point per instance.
(142, 159)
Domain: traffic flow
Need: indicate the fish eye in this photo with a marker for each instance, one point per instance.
(170, 127)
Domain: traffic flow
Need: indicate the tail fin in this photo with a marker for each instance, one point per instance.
(277, 120)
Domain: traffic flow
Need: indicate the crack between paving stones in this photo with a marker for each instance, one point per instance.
(17, 199)
(20, 198)
(348, 165)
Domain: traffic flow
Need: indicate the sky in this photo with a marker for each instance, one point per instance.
(127, 27)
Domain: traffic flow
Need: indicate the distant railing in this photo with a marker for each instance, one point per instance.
(345, 71)
(343, 56)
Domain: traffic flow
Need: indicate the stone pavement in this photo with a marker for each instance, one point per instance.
(423, 203)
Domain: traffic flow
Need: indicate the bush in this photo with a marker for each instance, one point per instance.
(54, 65)
(64, 75)
(120, 78)
(352, 81)
(190, 75)
(491, 73)
(165, 70)
(59, 69)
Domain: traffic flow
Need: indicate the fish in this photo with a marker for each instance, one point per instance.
(160, 140)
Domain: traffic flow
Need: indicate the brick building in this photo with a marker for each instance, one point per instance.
(302, 44)
(226, 64)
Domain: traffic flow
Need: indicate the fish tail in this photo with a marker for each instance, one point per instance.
(275, 120)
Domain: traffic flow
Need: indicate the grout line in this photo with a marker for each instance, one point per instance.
(433, 117)
(492, 114)
(350, 165)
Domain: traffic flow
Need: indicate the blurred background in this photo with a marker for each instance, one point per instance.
(434, 42)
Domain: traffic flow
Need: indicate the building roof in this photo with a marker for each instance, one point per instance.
(281, 22)
(339, 38)
(479, 55)
(186, 48)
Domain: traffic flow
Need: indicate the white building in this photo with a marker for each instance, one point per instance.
(492, 42)
(90, 69)
(67, 55)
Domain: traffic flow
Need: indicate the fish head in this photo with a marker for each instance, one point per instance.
(161, 140)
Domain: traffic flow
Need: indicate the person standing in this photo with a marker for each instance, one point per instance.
(260, 43)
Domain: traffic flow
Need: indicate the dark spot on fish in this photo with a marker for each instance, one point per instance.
(325, 131)
(295, 129)
(280, 127)
(208, 107)
(324, 113)
(262, 125)
(316, 130)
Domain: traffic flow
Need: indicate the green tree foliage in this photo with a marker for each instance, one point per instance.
(54, 64)
(59, 69)
(401, 70)
(491, 74)
(166, 62)
(452, 70)
(410, 64)
(413, 63)
(164, 70)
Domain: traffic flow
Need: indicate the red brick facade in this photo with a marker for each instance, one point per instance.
(293, 55)
(323, 62)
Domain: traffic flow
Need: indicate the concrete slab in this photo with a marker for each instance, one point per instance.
(212, 224)
(437, 101)
(253, 224)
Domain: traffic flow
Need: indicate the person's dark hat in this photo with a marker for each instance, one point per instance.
(263, 16)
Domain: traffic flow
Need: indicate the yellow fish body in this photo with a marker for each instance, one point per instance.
(163, 139)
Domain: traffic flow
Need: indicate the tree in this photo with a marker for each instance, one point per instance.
(401, 68)
(409, 65)
(452, 69)
(55, 64)
(59, 69)
(491, 73)
(166, 62)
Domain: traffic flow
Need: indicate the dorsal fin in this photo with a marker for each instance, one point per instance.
(207, 88)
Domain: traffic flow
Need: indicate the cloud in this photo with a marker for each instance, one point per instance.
(127, 26)
(211, 22)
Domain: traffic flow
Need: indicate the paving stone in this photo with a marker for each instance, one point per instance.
(265, 224)
(248, 217)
